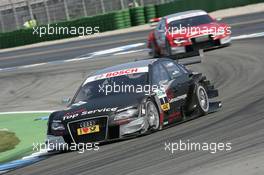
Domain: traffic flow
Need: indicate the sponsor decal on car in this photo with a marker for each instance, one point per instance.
(83, 112)
(161, 94)
(116, 74)
(99, 111)
(88, 130)
(165, 106)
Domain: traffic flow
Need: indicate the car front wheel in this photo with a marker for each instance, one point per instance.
(152, 115)
(202, 100)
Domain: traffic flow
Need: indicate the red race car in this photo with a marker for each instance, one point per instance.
(183, 34)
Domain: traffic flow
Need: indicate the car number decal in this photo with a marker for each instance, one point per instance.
(165, 107)
(164, 102)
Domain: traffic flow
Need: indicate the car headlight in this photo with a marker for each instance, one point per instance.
(57, 126)
(180, 40)
(126, 114)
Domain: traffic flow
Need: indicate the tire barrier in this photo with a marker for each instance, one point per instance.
(137, 16)
(150, 12)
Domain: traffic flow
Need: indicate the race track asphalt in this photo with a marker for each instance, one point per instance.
(244, 24)
(237, 72)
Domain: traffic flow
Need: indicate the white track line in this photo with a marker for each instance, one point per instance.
(25, 112)
(115, 51)
(118, 49)
(253, 35)
(32, 65)
(131, 51)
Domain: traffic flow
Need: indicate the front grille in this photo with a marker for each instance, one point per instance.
(80, 137)
(203, 42)
(203, 45)
(201, 39)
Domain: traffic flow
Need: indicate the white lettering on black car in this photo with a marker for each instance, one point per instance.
(72, 116)
(99, 111)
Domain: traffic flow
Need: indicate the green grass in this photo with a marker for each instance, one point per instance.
(8, 141)
(26, 129)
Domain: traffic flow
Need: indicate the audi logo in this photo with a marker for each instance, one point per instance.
(87, 124)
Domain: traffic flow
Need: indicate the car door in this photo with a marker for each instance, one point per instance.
(162, 79)
(179, 85)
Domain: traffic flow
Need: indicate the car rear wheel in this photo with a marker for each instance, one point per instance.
(168, 49)
(152, 115)
(202, 100)
(153, 51)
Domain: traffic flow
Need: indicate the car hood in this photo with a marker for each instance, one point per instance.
(107, 105)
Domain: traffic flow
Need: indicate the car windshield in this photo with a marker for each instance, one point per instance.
(105, 87)
(190, 22)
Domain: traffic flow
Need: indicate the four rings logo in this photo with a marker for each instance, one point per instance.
(87, 124)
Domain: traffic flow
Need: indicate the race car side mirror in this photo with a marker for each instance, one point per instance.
(174, 75)
(66, 101)
(163, 82)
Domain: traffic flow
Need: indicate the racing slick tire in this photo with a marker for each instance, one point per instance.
(202, 100)
(152, 115)
(168, 49)
(153, 52)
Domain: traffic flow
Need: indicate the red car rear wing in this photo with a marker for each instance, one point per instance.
(154, 21)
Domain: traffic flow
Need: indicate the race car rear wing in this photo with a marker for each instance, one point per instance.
(190, 62)
(154, 21)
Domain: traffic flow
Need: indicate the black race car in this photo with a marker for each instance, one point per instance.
(131, 99)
